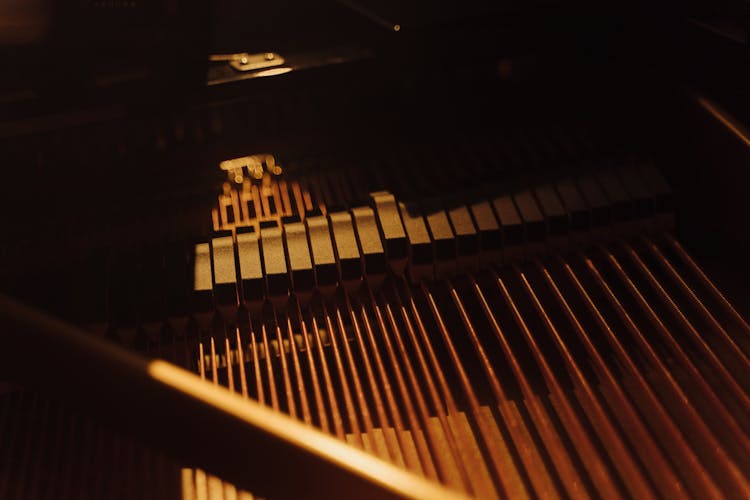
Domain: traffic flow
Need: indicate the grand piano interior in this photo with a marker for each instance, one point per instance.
(498, 246)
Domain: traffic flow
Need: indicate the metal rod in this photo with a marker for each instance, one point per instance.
(707, 282)
(572, 479)
(725, 464)
(152, 399)
(632, 423)
(614, 445)
(698, 304)
(419, 406)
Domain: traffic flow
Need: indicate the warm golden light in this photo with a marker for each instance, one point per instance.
(725, 120)
(274, 71)
(297, 433)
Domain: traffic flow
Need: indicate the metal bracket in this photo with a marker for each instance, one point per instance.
(249, 62)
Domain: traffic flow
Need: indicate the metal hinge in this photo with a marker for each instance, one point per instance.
(249, 62)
